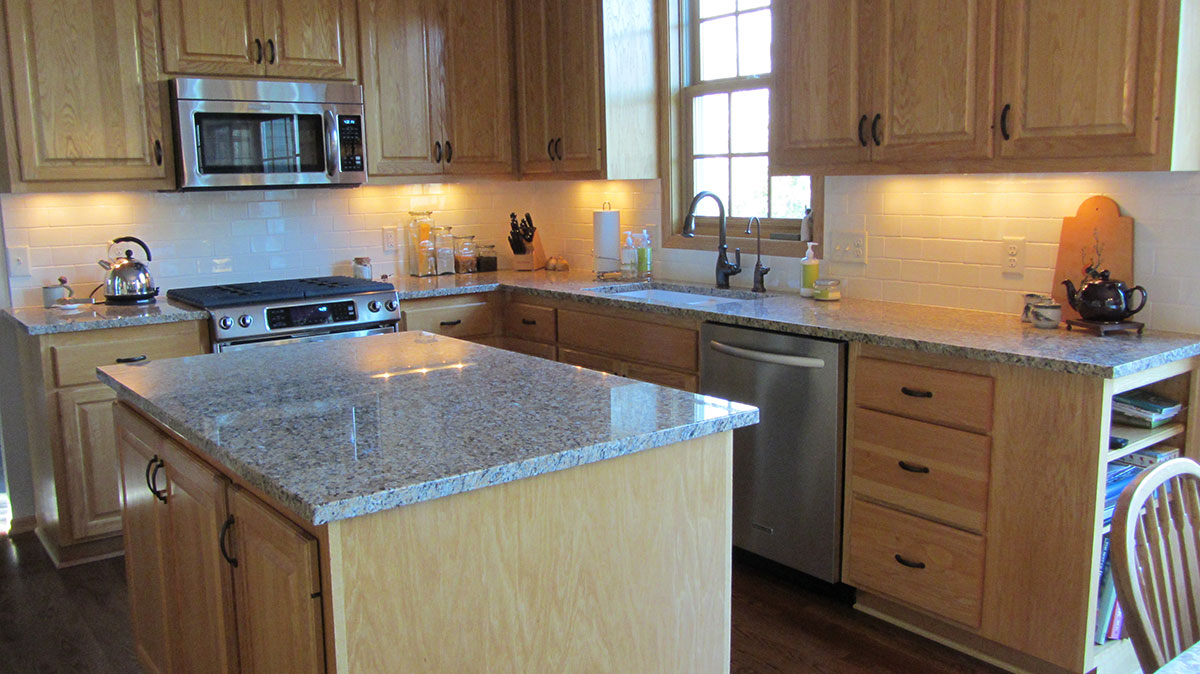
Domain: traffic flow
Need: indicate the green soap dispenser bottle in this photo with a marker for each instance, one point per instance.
(810, 268)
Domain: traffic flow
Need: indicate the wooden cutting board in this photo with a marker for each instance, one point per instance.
(1096, 235)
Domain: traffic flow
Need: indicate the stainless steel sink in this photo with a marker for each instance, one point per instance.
(677, 295)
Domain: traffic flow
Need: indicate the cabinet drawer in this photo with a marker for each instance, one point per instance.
(944, 397)
(528, 348)
(591, 361)
(76, 362)
(924, 468)
(660, 376)
(931, 566)
(528, 321)
(460, 317)
(629, 339)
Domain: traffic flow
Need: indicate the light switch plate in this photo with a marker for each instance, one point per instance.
(848, 246)
(18, 261)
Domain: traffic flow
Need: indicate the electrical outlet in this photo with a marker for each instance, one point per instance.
(1013, 255)
(18, 261)
(850, 246)
(389, 239)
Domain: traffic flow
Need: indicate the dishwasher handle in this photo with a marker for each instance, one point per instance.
(767, 356)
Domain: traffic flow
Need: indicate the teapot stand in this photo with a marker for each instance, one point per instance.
(1102, 328)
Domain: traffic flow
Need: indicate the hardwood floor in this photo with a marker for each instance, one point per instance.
(77, 620)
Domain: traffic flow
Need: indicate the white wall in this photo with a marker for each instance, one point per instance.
(936, 239)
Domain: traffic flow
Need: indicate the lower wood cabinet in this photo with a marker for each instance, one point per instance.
(218, 581)
(459, 316)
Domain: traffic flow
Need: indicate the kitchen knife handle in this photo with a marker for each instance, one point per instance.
(913, 468)
(1004, 121)
(221, 541)
(449, 152)
(437, 152)
(875, 128)
(131, 359)
(862, 131)
(550, 149)
(910, 564)
(558, 148)
(271, 44)
(258, 47)
(915, 393)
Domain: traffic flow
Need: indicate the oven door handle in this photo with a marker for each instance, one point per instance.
(298, 339)
(333, 148)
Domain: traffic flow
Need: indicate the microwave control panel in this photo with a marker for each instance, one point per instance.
(350, 136)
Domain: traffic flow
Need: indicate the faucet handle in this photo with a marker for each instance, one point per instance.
(737, 260)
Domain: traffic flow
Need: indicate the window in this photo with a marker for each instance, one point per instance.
(723, 95)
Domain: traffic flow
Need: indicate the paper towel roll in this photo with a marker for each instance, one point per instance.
(606, 241)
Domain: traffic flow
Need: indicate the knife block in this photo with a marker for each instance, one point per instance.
(531, 261)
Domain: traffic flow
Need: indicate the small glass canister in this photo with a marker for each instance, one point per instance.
(422, 259)
(827, 289)
(485, 259)
(465, 255)
(362, 268)
(444, 249)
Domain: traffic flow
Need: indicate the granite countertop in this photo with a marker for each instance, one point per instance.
(978, 335)
(343, 428)
(39, 321)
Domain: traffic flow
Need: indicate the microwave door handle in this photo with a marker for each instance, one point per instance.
(332, 149)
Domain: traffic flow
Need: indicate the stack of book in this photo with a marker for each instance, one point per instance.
(1110, 620)
(1119, 476)
(1143, 409)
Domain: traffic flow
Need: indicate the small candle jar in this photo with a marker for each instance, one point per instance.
(827, 289)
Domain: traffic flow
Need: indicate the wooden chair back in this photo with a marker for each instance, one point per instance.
(1156, 560)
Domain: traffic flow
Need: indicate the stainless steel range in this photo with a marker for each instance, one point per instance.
(269, 313)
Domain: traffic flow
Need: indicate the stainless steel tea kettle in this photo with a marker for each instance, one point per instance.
(127, 280)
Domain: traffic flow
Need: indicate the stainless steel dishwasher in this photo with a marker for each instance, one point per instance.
(787, 469)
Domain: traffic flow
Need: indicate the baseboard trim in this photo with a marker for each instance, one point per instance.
(22, 525)
(80, 553)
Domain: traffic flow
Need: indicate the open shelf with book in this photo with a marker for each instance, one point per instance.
(1141, 438)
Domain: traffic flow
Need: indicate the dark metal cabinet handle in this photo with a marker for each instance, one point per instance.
(221, 541)
(862, 131)
(131, 359)
(875, 129)
(158, 152)
(915, 393)
(910, 564)
(550, 149)
(449, 152)
(258, 47)
(1004, 121)
(149, 466)
(528, 321)
(558, 148)
(160, 495)
(456, 321)
(913, 468)
(437, 152)
(271, 44)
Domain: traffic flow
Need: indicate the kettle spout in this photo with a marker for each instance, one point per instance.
(104, 263)
(1072, 299)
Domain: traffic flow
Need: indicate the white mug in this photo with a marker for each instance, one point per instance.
(1046, 315)
(52, 294)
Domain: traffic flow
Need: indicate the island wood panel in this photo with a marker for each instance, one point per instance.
(945, 397)
(212, 37)
(653, 343)
(947, 470)
(621, 565)
(311, 39)
(90, 454)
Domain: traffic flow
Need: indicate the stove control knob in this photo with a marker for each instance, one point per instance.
(225, 322)
(373, 306)
(391, 305)
(245, 320)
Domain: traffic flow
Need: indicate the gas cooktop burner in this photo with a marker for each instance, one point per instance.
(239, 294)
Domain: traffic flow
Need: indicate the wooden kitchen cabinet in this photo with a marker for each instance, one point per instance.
(437, 79)
(586, 88)
(471, 317)
(83, 104)
(289, 39)
(73, 453)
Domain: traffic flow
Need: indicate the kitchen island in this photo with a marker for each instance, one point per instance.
(411, 502)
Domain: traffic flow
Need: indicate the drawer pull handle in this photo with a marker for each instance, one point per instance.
(911, 565)
(528, 321)
(913, 468)
(131, 359)
(915, 393)
(149, 467)
(153, 481)
(454, 322)
(221, 542)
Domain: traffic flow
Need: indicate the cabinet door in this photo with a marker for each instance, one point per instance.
(85, 90)
(277, 591)
(820, 107)
(310, 39)
(401, 97)
(478, 86)
(145, 538)
(580, 87)
(201, 583)
(212, 37)
(933, 83)
(538, 73)
(1081, 78)
(93, 481)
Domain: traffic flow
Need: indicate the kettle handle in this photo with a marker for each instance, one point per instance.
(1140, 304)
(134, 239)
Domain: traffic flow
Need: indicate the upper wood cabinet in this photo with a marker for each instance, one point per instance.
(82, 98)
(437, 82)
(881, 81)
(292, 39)
(586, 88)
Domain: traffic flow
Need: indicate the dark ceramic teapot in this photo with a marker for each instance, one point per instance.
(1101, 299)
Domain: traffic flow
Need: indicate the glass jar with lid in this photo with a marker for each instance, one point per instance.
(465, 255)
(444, 249)
(422, 260)
(485, 259)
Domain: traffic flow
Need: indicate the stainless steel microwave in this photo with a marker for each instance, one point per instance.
(257, 134)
